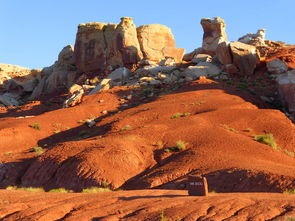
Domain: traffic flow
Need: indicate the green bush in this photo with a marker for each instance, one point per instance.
(60, 190)
(269, 140)
(289, 191)
(36, 126)
(266, 139)
(28, 189)
(177, 115)
(96, 190)
(37, 150)
(179, 146)
(126, 127)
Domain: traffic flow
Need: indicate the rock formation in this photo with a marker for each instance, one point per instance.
(257, 39)
(157, 43)
(286, 83)
(223, 53)
(59, 76)
(245, 57)
(214, 33)
(276, 66)
(101, 46)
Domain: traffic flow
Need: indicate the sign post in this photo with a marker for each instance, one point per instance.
(197, 186)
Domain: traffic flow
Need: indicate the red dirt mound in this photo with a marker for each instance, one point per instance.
(145, 205)
(135, 147)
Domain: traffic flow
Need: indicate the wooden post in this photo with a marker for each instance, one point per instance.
(197, 186)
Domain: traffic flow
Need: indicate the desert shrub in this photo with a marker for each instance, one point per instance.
(60, 190)
(164, 218)
(289, 191)
(266, 139)
(11, 188)
(96, 190)
(105, 184)
(229, 128)
(32, 189)
(179, 146)
(177, 115)
(37, 150)
(269, 140)
(289, 153)
(28, 189)
(126, 127)
(36, 126)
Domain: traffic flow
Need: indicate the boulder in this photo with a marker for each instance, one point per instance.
(189, 56)
(105, 84)
(245, 57)
(286, 83)
(120, 74)
(276, 66)
(223, 53)
(201, 58)
(202, 69)
(9, 99)
(214, 33)
(157, 43)
(75, 95)
(153, 70)
(167, 62)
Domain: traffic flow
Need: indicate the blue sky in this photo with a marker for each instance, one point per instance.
(34, 31)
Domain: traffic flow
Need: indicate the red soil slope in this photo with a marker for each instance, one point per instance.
(127, 148)
(145, 205)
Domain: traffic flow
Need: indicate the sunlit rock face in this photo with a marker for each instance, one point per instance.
(157, 43)
(102, 46)
(99, 45)
(214, 34)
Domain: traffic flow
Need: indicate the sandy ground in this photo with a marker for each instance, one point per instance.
(145, 205)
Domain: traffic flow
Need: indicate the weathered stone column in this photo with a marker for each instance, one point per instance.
(214, 33)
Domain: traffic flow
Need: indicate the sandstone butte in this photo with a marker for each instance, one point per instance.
(123, 118)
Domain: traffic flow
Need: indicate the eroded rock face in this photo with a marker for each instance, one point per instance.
(205, 69)
(99, 45)
(157, 43)
(257, 39)
(75, 96)
(245, 57)
(286, 84)
(276, 66)
(61, 75)
(214, 33)
(9, 71)
(223, 53)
